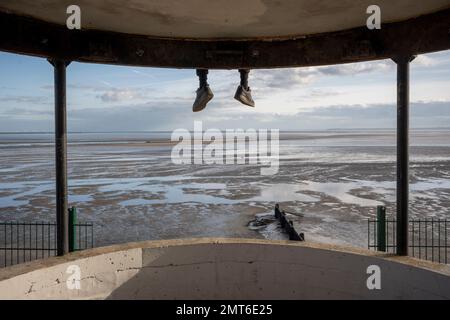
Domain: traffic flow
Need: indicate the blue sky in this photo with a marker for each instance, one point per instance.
(117, 98)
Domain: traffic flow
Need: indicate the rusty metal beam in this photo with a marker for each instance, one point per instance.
(30, 36)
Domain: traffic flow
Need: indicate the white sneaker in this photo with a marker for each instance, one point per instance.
(244, 96)
(204, 95)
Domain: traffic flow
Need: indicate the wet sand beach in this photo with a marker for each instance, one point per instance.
(127, 185)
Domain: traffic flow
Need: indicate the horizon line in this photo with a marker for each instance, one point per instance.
(168, 131)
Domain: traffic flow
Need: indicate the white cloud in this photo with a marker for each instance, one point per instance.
(425, 61)
(120, 94)
(29, 100)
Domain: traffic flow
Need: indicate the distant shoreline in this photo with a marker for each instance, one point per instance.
(281, 131)
(369, 137)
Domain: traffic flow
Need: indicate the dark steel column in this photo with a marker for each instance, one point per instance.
(402, 152)
(62, 214)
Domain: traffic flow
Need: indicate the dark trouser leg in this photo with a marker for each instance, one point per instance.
(202, 77)
(244, 78)
(204, 93)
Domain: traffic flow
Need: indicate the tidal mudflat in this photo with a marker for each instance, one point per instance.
(127, 185)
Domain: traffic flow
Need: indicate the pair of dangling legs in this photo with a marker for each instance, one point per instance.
(204, 92)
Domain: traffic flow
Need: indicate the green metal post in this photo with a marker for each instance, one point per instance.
(381, 228)
(72, 232)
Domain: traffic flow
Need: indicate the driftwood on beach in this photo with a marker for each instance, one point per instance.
(287, 225)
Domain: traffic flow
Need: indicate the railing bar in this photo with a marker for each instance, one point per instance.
(420, 241)
(375, 235)
(42, 241)
(17, 241)
(23, 238)
(392, 236)
(426, 240)
(79, 236)
(47, 245)
(5, 244)
(388, 235)
(446, 248)
(432, 239)
(10, 241)
(11, 260)
(54, 239)
(49, 236)
(394, 239)
(29, 243)
(412, 239)
(35, 244)
(386, 228)
(439, 240)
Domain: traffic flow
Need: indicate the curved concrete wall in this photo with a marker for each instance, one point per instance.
(224, 269)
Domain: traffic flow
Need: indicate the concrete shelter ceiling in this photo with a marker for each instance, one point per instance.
(222, 19)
